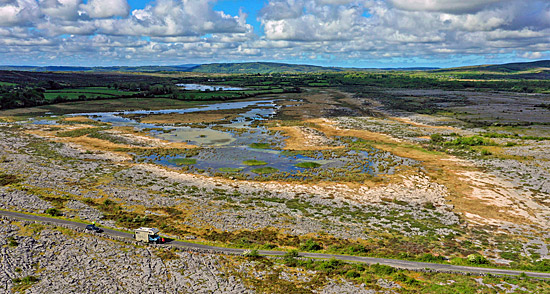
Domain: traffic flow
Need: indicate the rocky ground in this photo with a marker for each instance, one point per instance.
(38, 258)
(86, 184)
(74, 176)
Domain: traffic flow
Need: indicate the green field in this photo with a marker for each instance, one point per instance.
(89, 92)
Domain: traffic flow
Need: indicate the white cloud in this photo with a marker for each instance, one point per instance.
(64, 9)
(169, 31)
(172, 18)
(531, 55)
(450, 6)
(18, 12)
(106, 8)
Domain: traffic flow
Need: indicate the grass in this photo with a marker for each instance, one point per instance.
(183, 161)
(22, 284)
(230, 169)
(88, 92)
(78, 132)
(254, 162)
(265, 170)
(260, 146)
(308, 164)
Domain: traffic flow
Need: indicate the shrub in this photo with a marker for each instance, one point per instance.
(352, 274)
(427, 257)
(485, 152)
(471, 141)
(310, 245)
(53, 212)
(477, 259)
(381, 269)
(292, 254)
(251, 253)
(12, 242)
(437, 138)
(429, 205)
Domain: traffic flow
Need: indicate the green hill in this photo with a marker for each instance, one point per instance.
(261, 67)
(516, 67)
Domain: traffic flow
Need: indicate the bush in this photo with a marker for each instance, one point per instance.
(352, 274)
(401, 277)
(53, 212)
(292, 254)
(485, 152)
(427, 257)
(290, 257)
(328, 265)
(429, 205)
(471, 141)
(12, 242)
(381, 269)
(310, 245)
(477, 259)
(437, 138)
(251, 253)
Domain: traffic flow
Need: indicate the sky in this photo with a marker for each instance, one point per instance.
(347, 33)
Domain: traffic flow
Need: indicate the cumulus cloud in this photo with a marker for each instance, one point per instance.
(449, 6)
(106, 8)
(175, 18)
(312, 21)
(18, 12)
(166, 31)
(63, 9)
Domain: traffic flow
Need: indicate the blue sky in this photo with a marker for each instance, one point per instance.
(350, 33)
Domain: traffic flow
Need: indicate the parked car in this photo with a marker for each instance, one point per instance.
(93, 228)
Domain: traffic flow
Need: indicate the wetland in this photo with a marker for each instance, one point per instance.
(414, 174)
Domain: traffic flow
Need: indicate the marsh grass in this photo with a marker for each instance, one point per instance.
(183, 161)
(265, 170)
(253, 162)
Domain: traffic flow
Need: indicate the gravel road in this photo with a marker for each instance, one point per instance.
(403, 264)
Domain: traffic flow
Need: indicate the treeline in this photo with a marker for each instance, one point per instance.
(14, 97)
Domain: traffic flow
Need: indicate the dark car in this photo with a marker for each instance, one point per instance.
(93, 228)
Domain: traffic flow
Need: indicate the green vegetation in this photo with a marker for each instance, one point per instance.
(260, 146)
(471, 141)
(53, 212)
(265, 170)
(230, 169)
(258, 67)
(183, 161)
(308, 164)
(79, 132)
(12, 242)
(22, 284)
(253, 162)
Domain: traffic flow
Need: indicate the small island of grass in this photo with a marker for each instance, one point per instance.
(308, 164)
(260, 146)
(253, 162)
(265, 170)
(183, 161)
(230, 169)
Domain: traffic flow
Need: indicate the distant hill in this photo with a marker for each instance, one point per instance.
(261, 67)
(504, 68)
(183, 67)
(228, 68)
